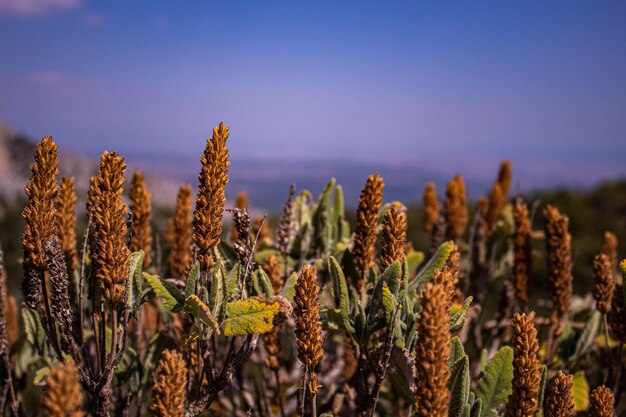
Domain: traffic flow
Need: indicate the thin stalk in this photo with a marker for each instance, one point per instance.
(608, 348)
(303, 391)
(14, 405)
(81, 282)
(313, 404)
(279, 394)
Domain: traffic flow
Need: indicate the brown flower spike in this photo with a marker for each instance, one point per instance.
(110, 252)
(609, 248)
(141, 207)
(431, 207)
(63, 396)
(370, 203)
(559, 402)
(66, 222)
(558, 247)
(241, 203)
(617, 315)
(602, 402)
(432, 353)
(283, 234)
(40, 215)
(522, 252)
(524, 399)
(308, 327)
(207, 221)
(181, 253)
(393, 236)
(169, 390)
(455, 208)
(603, 283)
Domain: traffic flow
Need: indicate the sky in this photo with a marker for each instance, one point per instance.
(441, 83)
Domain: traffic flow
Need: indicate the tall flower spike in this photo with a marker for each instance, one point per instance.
(560, 402)
(602, 402)
(110, 251)
(66, 222)
(609, 248)
(455, 208)
(603, 283)
(59, 287)
(170, 387)
(63, 396)
(431, 207)
(522, 252)
(272, 269)
(308, 327)
(272, 338)
(497, 202)
(40, 216)
(432, 352)
(524, 398)
(181, 256)
(393, 235)
(207, 221)
(504, 176)
(370, 203)
(141, 207)
(283, 235)
(558, 247)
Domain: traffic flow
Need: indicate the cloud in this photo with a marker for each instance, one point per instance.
(31, 8)
(94, 20)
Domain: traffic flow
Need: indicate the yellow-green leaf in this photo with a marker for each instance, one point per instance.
(253, 315)
(580, 391)
(195, 306)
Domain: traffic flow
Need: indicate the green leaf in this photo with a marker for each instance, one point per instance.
(414, 260)
(457, 351)
(457, 320)
(249, 316)
(495, 386)
(192, 279)
(289, 289)
(459, 385)
(477, 408)
(262, 282)
(226, 254)
(195, 306)
(587, 337)
(435, 263)
(389, 304)
(133, 298)
(341, 292)
(174, 298)
(580, 391)
(232, 280)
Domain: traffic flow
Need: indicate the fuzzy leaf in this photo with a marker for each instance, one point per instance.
(457, 320)
(194, 306)
(587, 337)
(341, 292)
(435, 263)
(580, 391)
(250, 316)
(495, 386)
(174, 298)
(389, 304)
(226, 254)
(262, 283)
(457, 351)
(192, 279)
(133, 298)
(232, 280)
(289, 289)
(459, 385)
(414, 260)
(543, 370)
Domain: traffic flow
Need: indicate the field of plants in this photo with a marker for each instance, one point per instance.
(315, 316)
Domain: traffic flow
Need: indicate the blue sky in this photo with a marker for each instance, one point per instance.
(454, 84)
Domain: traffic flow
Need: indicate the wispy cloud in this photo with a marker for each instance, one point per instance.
(32, 8)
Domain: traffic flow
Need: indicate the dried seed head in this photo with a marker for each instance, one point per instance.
(504, 176)
(497, 202)
(349, 361)
(455, 208)
(370, 203)
(272, 346)
(283, 235)
(63, 396)
(524, 399)
(308, 327)
(393, 235)
(66, 221)
(181, 256)
(241, 203)
(432, 352)
(609, 248)
(242, 246)
(558, 247)
(169, 390)
(272, 269)
(40, 213)
(141, 207)
(438, 235)
(149, 321)
(59, 285)
(207, 221)
(559, 402)
(431, 207)
(602, 402)
(617, 314)
(110, 251)
(603, 283)
(522, 252)
(448, 276)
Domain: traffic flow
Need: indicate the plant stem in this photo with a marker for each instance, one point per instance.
(279, 394)
(303, 391)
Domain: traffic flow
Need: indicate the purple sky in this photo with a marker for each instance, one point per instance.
(450, 85)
